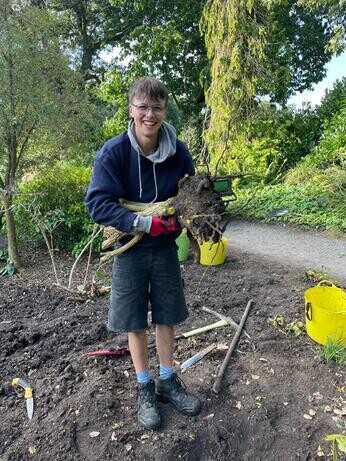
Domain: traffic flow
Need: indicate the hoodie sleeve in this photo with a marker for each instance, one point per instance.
(188, 166)
(103, 195)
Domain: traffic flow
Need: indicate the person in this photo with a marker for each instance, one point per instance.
(145, 164)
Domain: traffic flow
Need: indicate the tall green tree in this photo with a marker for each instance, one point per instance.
(157, 37)
(235, 35)
(260, 48)
(39, 95)
(297, 49)
(88, 27)
(335, 12)
(166, 42)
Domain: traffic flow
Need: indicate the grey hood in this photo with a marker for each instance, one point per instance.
(167, 142)
(166, 149)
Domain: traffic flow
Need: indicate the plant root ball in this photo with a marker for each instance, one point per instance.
(200, 208)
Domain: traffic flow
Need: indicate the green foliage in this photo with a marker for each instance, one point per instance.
(332, 102)
(315, 276)
(334, 350)
(331, 149)
(261, 48)
(3, 255)
(114, 91)
(335, 14)
(326, 163)
(338, 443)
(8, 268)
(163, 40)
(297, 53)
(235, 36)
(276, 140)
(191, 135)
(84, 238)
(308, 205)
(41, 101)
(88, 27)
(55, 197)
(296, 326)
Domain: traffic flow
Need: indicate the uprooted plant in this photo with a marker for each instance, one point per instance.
(197, 206)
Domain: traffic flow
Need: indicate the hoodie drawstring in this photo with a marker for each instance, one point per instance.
(154, 173)
(139, 174)
(140, 178)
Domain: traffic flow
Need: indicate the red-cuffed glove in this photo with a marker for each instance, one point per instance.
(160, 226)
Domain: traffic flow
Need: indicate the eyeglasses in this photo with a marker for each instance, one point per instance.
(144, 109)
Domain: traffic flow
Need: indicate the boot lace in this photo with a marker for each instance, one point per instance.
(179, 385)
(147, 396)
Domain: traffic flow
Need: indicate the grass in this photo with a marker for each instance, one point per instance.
(334, 350)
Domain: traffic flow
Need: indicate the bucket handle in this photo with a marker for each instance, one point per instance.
(327, 283)
(308, 311)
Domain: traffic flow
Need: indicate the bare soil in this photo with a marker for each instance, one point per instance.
(278, 399)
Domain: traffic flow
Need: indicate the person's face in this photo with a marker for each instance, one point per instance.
(148, 116)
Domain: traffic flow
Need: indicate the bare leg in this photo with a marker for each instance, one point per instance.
(165, 344)
(138, 345)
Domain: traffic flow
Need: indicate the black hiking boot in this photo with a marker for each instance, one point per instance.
(173, 390)
(148, 413)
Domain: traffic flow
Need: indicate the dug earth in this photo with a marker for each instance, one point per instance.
(278, 398)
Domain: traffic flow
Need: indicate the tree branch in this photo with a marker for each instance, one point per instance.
(21, 150)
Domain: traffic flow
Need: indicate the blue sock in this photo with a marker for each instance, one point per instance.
(166, 372)
(143, 377)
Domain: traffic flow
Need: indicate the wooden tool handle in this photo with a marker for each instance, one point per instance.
(208, 349)
(222, 369)
(197, 331)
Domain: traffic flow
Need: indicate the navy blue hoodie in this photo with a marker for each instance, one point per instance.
(122, 171)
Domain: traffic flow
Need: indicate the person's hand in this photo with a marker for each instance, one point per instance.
(164, 226)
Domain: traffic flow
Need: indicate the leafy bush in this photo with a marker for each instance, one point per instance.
(56, 198)
(332, 102)
(191, 135)
(308, 205)
(276, 141)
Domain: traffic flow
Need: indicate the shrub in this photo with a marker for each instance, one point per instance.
(56, 197)
(308, 205)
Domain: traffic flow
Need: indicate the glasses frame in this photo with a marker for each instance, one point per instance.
(157, 110)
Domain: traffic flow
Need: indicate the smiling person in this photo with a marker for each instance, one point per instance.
(145, 164)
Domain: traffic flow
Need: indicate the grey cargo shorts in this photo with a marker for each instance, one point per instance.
(142, 275)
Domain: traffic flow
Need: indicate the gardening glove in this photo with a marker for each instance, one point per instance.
(164, 226)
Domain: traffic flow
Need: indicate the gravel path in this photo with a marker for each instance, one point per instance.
(286, 245)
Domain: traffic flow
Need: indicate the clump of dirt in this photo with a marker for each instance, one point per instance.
(200, 208)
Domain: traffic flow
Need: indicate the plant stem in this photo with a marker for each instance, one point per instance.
(80, 254)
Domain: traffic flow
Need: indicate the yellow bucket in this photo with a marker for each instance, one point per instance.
(213, 254)
(325, 312)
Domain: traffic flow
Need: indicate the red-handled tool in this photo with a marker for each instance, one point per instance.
(109, 352)
(188, 334)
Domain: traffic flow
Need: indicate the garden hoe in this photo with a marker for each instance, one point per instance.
(188, 334)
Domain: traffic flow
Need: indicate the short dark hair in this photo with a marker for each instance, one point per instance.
(149, 87)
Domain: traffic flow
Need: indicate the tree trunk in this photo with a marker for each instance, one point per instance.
(11, 232)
